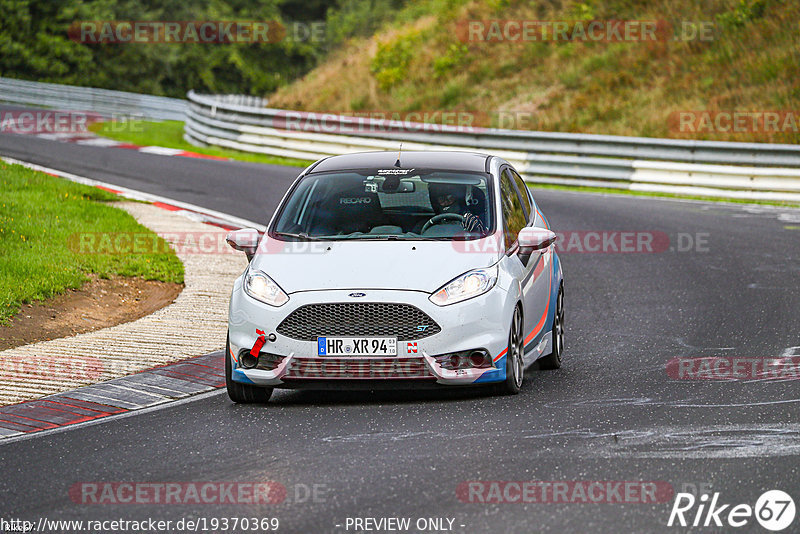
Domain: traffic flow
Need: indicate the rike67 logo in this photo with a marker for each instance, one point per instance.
(774, 510)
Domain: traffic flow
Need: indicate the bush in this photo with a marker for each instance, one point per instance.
(390, 63)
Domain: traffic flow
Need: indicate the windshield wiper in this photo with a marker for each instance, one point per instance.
(378, 237)
(364, 237)
(302, 235)
(374, 236)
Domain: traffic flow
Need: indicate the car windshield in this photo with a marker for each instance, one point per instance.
(387, 204)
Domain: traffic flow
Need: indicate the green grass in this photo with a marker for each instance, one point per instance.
(169, 134)
(40, 219)
(653, 194)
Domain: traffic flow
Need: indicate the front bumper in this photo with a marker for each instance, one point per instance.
(478, 323)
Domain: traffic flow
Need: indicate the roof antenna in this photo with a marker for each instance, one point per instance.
(399, 152)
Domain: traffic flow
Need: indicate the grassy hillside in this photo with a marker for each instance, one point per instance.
(424, 60)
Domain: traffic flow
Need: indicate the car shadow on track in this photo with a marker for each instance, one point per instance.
(343, 397)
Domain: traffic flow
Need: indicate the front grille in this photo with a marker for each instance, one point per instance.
(357, 368)
(403, 321)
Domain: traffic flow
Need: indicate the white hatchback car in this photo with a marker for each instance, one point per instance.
(386, 270)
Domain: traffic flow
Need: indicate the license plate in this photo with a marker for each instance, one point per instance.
(357, 346)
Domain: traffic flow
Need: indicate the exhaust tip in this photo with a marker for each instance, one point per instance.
(479, 358)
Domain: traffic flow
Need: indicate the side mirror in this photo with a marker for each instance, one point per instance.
(531, 239)
(245, 240)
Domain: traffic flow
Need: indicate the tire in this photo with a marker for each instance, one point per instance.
(553, 360)
(515, 366)
(242, 393)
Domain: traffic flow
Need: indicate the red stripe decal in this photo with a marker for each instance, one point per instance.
(540, 324)
(539, 268)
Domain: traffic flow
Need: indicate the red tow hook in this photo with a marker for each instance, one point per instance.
(258, 344)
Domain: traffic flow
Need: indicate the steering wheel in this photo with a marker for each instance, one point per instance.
(438, 219)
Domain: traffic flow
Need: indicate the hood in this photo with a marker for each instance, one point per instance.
(415, 265)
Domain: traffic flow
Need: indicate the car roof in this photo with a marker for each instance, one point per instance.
(443, 160)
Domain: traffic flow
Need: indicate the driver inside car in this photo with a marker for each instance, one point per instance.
(452, 198)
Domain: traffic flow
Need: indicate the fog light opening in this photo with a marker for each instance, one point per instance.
(248, 361)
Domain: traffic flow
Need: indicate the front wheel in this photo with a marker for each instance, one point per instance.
(242, 393)
(553, 360)
(515, 366)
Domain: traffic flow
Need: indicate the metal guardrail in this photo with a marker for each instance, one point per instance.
(712, 168)
(102, 101)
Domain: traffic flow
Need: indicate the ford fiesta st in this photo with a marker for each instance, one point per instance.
(383, 269)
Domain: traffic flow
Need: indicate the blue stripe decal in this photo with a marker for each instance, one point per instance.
(548, 324)
(495, 375)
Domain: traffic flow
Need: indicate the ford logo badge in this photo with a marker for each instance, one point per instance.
(357, 295)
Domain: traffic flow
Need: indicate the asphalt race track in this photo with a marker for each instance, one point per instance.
(726, 285)
(201, 181)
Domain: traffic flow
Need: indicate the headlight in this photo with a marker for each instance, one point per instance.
(261, 287)
(466, 286)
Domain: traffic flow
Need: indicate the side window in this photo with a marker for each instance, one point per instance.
(523, 192)
(513, 213)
